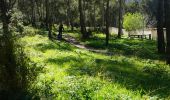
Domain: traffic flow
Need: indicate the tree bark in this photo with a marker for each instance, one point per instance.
(160, 31)
(82, 21)
(94, 16)
(68, 13)
(48, 19)
(33, 13)
(103, 14)
(167, 24)
(47, 13)
(107, 23)
(9, 61)
(120, 32)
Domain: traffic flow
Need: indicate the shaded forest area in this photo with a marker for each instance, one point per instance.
(64, 50)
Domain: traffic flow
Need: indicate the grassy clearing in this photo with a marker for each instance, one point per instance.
(145, 49)
(76, 74)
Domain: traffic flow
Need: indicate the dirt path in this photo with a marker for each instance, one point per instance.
(77, 44)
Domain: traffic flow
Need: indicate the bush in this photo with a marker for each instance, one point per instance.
(17, 72)
(133, 21)
(24, 73)
(30, 31)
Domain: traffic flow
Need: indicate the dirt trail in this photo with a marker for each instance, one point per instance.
(77, 44)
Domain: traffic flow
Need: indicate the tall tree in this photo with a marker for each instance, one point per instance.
(102, 7)
(69, 16)
(167, 25)
(120, 32)
(107, 22)
(48, 19)
(33, 13)
(160, 24)
(8, 61)
(82, 20)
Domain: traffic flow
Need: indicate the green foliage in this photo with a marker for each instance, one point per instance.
(27, 70)
(16, 24)
(30, 31)
(72, 73)
(128, 47)
(133, 21)
(25, 73)
(17, 71)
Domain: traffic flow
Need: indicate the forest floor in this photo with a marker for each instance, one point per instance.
(72, 40)
(73, 71)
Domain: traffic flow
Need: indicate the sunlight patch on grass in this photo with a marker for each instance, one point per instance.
(73, 73)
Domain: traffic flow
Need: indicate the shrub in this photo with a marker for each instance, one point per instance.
(24, 73)
(30, 31)
(133, 21)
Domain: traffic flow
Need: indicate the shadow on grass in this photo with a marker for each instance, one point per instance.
(62, 60)
(148, 80)
(145, 49)
(126, 74)
(52, 45)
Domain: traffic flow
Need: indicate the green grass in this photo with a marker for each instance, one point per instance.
(76, 74)
(145, 49)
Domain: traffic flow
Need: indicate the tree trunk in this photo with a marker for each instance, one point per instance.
(71, 17)
(68, 13)
(47, 13)
(107, 23)
(160, 31)
(103, 15)
(82, 21)
(94, 16)
(33, 13)
(167, 24)
(120, 32)
(48, 23)
(9, 61)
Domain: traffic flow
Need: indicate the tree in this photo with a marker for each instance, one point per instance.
(133, 6)
(48, 19)
(8, 55)
(167, 25)
(133, 21)
(82, 20)
(120, 32)
(68, 12)
(33, 13)
(160, 31)
(107, 22)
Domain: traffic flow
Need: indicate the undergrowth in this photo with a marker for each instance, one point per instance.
(76, 74)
